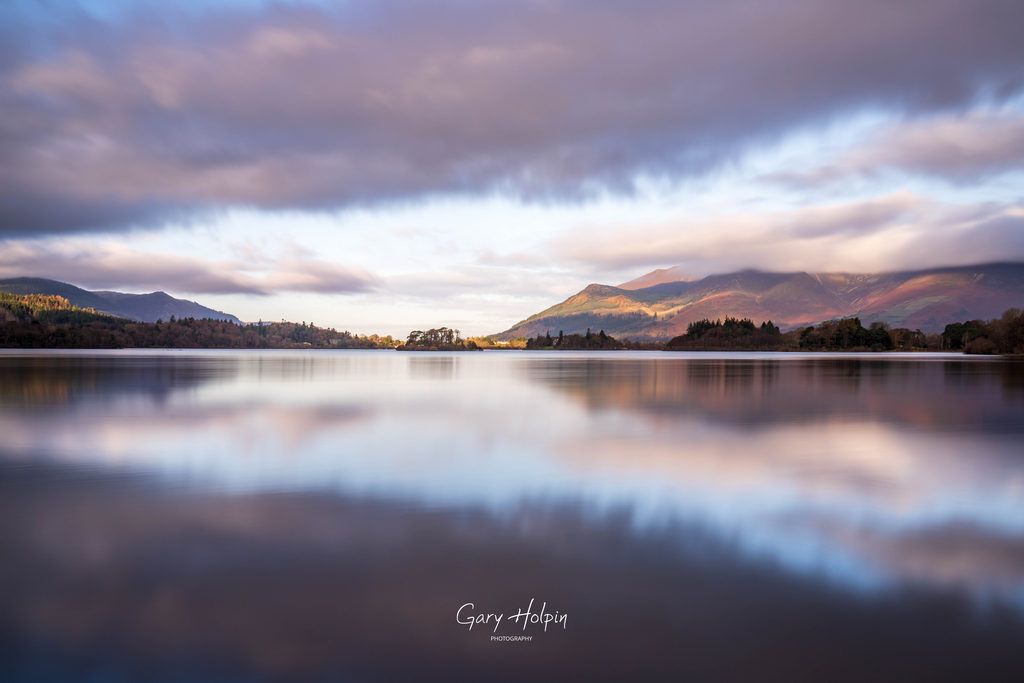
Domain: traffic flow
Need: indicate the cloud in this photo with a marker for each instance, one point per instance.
(159, 113)
(103, 266)
(481, 283)
(896, 231)
(314, 275)
(961, 148)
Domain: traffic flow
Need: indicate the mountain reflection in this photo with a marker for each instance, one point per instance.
(292, 516)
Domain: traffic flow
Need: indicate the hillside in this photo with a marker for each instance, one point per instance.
(50, 321)
(45, 308)
(925, 300)
(141, 307)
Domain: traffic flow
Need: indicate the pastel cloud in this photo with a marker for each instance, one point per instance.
(897, 231)
(162, 113)
(964, 147)
(106, 265)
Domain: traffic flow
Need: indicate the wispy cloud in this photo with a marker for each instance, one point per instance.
(107, 266)
(896, 231)
(964, 147)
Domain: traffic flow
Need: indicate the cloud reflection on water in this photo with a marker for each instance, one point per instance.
(868, 473)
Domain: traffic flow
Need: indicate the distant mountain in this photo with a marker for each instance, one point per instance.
(143, 307)
(659, 277)
(924, 299)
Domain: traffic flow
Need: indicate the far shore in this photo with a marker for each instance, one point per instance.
(36, 321)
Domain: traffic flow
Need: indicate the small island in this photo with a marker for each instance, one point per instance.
(437, 339)
(576, 342)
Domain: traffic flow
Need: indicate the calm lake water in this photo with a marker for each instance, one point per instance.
(322, 516)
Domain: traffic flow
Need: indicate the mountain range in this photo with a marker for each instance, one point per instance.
(142, 307)
(662, 303)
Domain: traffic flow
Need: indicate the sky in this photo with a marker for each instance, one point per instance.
(386, 165)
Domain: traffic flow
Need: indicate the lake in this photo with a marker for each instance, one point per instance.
(331, 516)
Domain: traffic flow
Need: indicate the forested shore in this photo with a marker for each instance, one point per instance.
(45, 321)
(1004, 335)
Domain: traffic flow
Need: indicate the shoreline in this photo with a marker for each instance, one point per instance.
(151, 350)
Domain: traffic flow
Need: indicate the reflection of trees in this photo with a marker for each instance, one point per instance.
(431, 367)
(61, 380)
(724, 377)
(1013, 379)
(928, 393)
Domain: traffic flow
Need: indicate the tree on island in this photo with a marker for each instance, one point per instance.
(575, 342)
(846, 334)
(437, 339)
(738, 334)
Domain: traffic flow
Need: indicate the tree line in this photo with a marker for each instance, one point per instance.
(844, 334)
(46, 321)
(1004, 335)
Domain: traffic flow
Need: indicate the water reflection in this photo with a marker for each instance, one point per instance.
(935, 394)
(298, 516)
